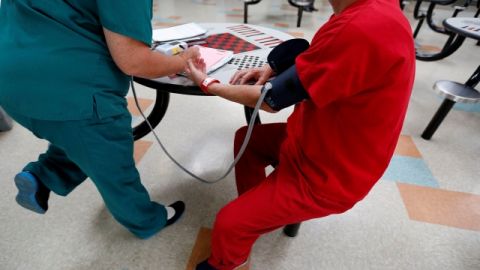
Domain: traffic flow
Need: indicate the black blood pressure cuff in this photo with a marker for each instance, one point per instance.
(285, 90)
(283, 56)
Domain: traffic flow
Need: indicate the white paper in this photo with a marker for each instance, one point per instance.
(178, 32)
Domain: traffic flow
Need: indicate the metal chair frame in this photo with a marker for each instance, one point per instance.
(421, 15)
(294, 3)
(452, 43)
(448, 103)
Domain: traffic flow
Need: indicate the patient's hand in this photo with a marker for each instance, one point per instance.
(257, 75)
(196, 70)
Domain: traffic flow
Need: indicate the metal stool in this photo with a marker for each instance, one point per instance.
(453, 92)
(452, 43)
(300, 4)
(422, 14)
(5, 121)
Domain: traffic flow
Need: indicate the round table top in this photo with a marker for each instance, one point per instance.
(259, 41)
(465, 26)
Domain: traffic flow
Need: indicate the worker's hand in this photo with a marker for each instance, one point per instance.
(196, 71)
(257, 75)
(192, 53)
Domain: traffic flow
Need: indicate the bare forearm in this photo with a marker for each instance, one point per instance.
(244, 94)
(137, 59)
(151, 64)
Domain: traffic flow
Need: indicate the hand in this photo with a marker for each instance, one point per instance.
(192, 53)
(259, 75)
(196, 71)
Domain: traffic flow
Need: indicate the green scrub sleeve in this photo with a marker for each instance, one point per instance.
(131, 18)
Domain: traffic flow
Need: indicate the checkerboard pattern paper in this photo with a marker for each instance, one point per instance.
(229, 42)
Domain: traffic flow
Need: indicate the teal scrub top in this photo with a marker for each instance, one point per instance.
(54, 60)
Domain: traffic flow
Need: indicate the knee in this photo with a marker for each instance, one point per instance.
(227, 220)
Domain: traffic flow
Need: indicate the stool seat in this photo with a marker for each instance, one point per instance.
(301, 3)
(457, 92)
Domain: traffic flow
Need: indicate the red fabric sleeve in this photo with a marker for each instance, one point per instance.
(336, 65)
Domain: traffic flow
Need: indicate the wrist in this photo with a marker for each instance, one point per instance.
(208, 81)
(270, 71)
(183, 60)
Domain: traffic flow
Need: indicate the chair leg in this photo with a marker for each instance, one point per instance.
(245, 12)
(419, 25)
(437, 119)
(291, 230)
(245, 8)
(299, 16)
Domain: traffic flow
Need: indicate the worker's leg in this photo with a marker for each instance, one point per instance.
(262, 151)
(53, 168)
(5, 121)
(103, 149)
(273, 203)
(53, 171)
(56, 171)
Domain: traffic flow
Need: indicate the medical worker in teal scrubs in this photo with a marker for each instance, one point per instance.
(63, 76)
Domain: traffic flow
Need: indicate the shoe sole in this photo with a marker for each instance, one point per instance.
(177, 216)
(27, 188)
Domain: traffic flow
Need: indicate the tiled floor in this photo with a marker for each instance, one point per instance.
(423, 214)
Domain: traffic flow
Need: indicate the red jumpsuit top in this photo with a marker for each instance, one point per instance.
(359, 72)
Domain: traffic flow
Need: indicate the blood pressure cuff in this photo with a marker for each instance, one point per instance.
(285, 90)
(283, 56)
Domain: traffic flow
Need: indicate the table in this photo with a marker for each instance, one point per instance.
(467, 27)
(453, 92)
(456, 37)
(253, 43)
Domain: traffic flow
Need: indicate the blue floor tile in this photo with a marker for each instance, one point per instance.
(409, 170)
(467, 107)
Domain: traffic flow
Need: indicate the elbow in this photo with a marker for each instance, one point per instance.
(136, 70)
(128, 54)
(131, 69)
(267, 108)
(270, 110)
(133, 63)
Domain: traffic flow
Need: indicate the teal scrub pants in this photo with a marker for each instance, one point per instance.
(101, 149)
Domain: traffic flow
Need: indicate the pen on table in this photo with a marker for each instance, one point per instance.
(199, 42)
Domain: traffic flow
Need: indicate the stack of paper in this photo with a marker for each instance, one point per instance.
(214, 58)
(179, 32)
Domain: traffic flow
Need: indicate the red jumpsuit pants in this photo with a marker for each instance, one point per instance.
(265, 203)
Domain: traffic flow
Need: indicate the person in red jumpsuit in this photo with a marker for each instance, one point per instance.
(358, 75)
